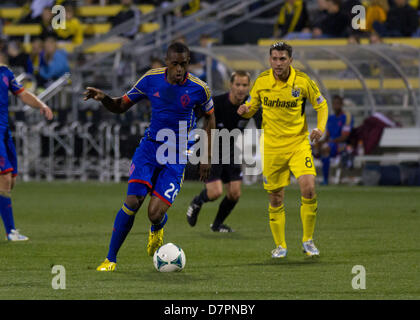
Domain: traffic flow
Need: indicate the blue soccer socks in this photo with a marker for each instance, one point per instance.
(122, 226)
(6, 212)
(160, 225)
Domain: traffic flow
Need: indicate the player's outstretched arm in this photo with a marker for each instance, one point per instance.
(31, 100)
(209, 124)
(114, 105)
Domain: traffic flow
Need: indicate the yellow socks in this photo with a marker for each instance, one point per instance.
(277, 224)
(308, 211)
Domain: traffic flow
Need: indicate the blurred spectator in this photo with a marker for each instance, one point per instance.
(414, 3)
(334, 24)
(37, 45)
(36, 9)
(354, 38)
(293, 17)
(189, 8)
(156, 63)
(402, 21)
(46, 25)
(73, 30)
(198, 60)
(18, 58)
(3, 58)
(347, 6)
(376, 11)
(128, 11)
(375, 38)
(54, 63)
(3, 45)
(320, 13)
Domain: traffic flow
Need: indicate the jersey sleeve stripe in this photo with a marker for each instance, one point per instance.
(19, 91)
(210, 111)
(202, 84)
(150, 73)
(127, 99)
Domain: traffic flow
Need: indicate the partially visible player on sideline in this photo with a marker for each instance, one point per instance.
(8, 159)
(282, 92)
(339, 126)
(225, 106)
(173, 94)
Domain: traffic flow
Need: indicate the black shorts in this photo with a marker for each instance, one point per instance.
(225, 172)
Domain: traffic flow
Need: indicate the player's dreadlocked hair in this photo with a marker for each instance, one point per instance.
(178, 47)
(282, 46)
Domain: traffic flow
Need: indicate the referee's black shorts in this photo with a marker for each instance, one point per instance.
(225, 172)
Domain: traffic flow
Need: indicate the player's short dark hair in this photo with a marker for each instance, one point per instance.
(178, 47)
(239, 73)
(282, 46)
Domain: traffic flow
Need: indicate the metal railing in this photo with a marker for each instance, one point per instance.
(75, 151)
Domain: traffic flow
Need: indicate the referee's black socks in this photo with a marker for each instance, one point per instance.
(202, 198)
(225, 208)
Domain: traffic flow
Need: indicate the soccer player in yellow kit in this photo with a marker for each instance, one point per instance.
(282, 92)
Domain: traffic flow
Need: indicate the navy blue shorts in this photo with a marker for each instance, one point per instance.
(8, 158)
(147, 175)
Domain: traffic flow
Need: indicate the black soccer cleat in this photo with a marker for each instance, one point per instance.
(192, 213)
(222, 228)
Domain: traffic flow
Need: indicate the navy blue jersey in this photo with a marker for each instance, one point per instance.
(337, 125)
(172, 104)
(8, 82)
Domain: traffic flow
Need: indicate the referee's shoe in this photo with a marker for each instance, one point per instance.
(192, 212)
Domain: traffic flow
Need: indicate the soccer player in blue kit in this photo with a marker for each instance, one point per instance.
(173, 94)
(339, 126)
(8, 159)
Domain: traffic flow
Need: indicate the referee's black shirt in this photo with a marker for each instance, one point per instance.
(227, 118)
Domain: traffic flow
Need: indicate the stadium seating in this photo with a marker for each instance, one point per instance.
(82, 12)
(90, 29)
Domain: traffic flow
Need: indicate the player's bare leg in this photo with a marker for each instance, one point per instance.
(277, 222)
(158, 217)
(7, 183)
(212, 191)
(233, 190)
(308, 211)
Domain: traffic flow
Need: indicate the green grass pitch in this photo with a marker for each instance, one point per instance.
(70, 224)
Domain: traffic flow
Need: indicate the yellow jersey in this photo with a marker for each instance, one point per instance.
(283, 103)
(73, 30)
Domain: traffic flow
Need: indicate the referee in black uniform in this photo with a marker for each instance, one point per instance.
(230, 175)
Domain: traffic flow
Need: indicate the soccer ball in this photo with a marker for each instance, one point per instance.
(169, 258)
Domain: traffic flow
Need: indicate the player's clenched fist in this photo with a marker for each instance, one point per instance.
(94, 94)
(243, 109)
(315, 135)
